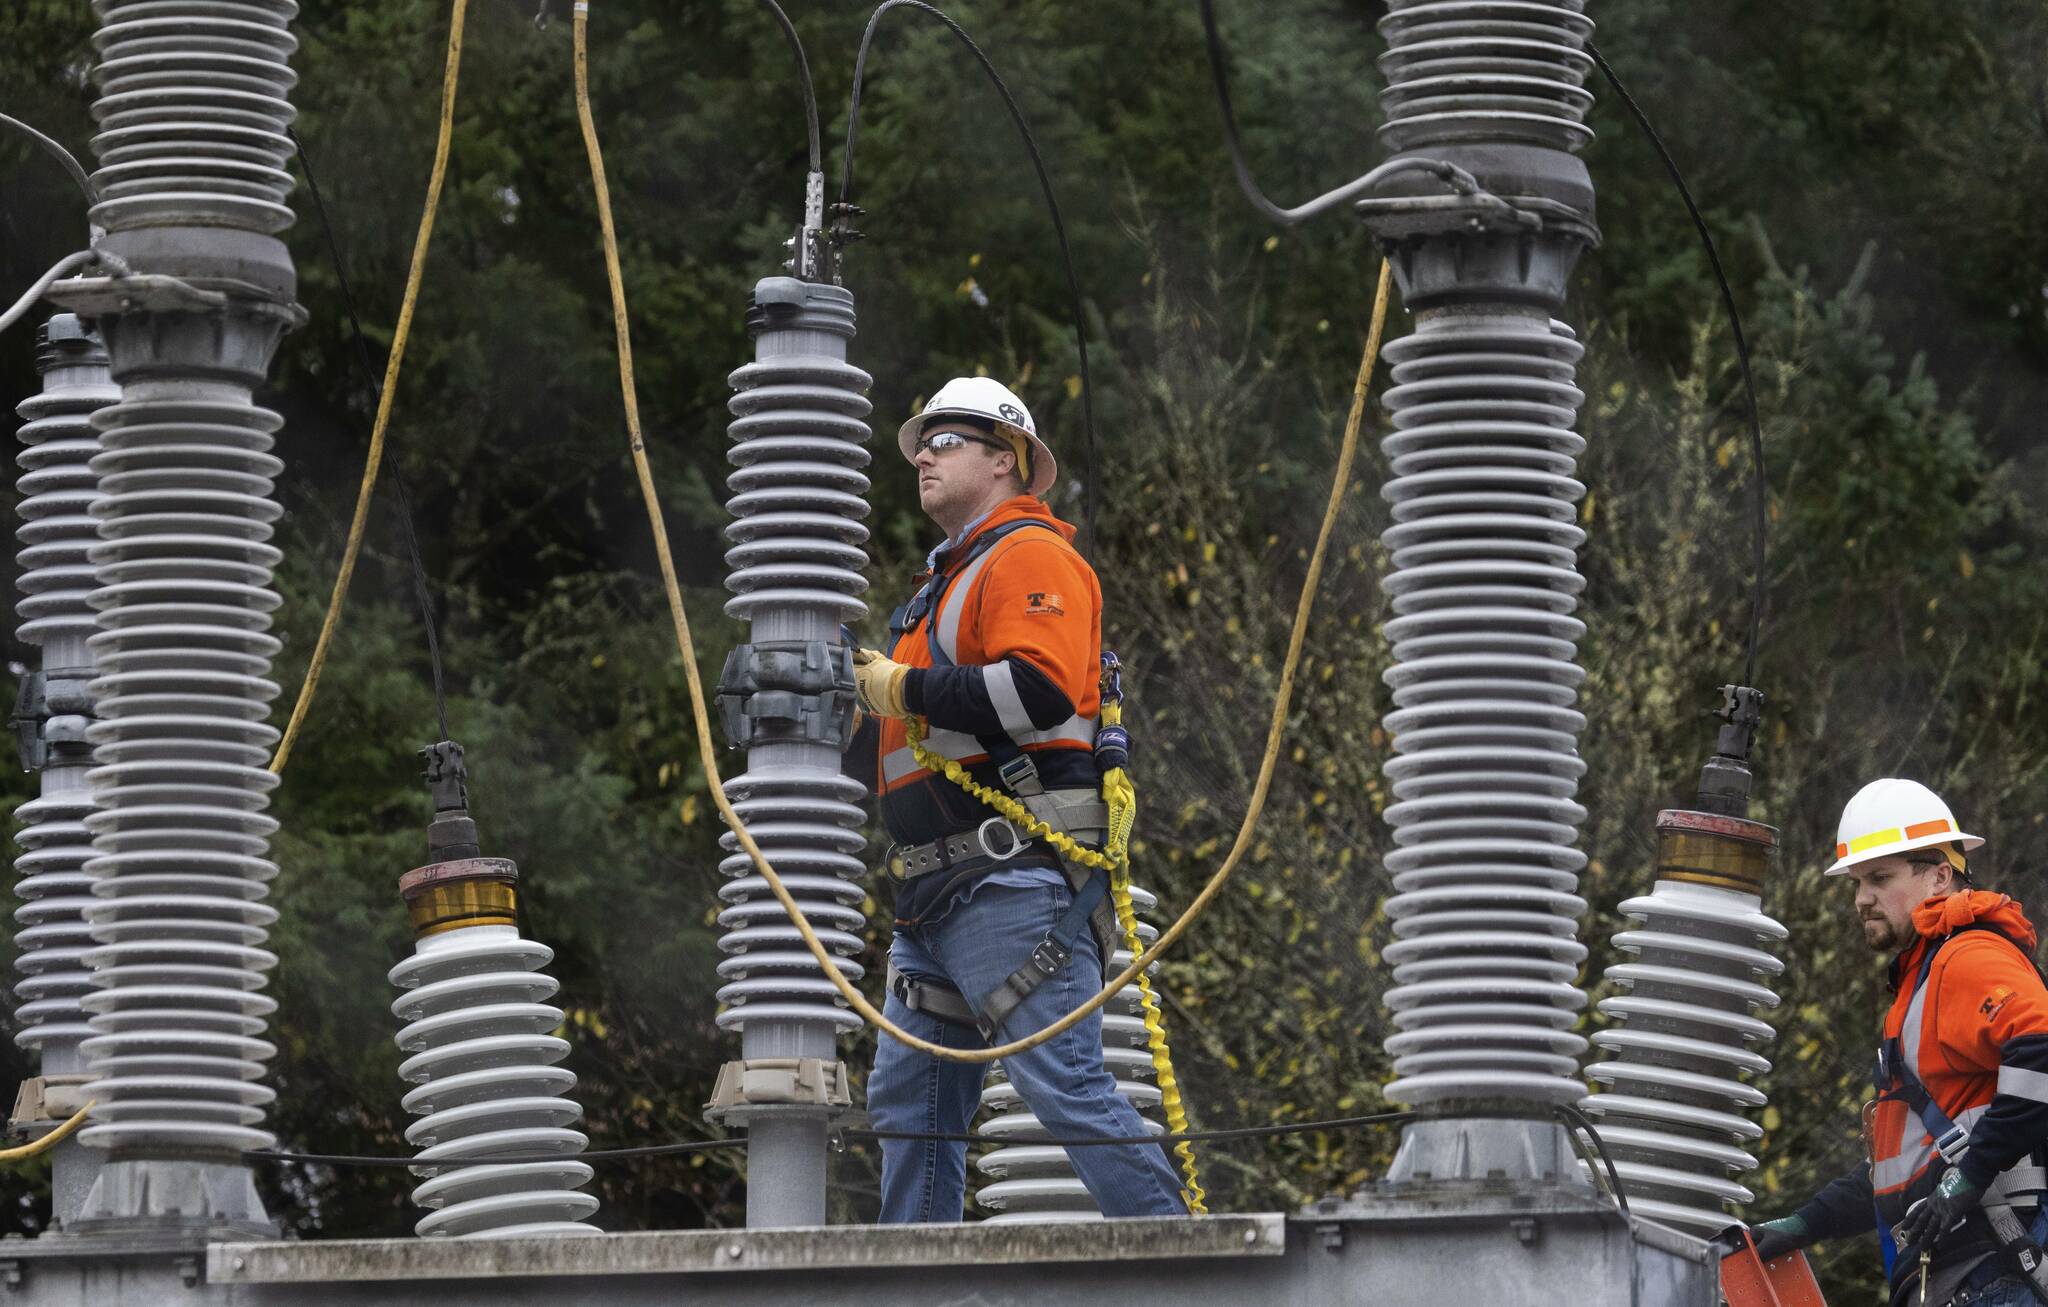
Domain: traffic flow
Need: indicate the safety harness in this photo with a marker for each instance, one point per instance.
(2020, 1185)
(1067, 822)
(1079, 814)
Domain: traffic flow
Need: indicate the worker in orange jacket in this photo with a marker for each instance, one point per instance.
(996, 936)
(1957, 1130)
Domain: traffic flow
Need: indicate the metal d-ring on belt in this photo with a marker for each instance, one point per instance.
(914, 860)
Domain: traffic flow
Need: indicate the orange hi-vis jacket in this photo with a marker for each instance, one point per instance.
(1975, 1032)
(1018, 635)
(1975, 1036)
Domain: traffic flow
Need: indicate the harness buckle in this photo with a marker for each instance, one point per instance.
(1953, 1144)
(1051, 956)
(1020, 776)
(1001, 823)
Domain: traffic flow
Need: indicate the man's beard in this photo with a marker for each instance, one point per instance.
(1884, 939)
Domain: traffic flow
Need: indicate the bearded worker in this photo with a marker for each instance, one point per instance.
(1958, 1125)
(998, 655)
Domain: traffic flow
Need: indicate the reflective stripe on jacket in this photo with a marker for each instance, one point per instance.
(1033, 599)
(1976, 1035)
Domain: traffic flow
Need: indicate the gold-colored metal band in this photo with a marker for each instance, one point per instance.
(1704, 858)
(457, 903)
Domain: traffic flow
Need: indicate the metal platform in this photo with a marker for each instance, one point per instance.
(1504, 1251)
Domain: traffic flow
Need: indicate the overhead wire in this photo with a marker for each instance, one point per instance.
(1458, 179)
(1088, 488)
(1758, 484)
(365, 377)
(707, 751)
(56, 149)
(401, 334)
(803, 79)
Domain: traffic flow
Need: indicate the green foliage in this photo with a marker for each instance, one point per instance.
(1871, 172)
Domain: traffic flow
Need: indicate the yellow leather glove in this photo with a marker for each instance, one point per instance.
(879, 680)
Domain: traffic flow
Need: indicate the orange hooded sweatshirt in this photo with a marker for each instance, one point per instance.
(1975, 1035)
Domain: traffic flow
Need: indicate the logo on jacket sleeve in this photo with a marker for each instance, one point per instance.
(1996, 999)
(1044, 603)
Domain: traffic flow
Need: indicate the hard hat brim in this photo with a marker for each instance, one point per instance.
(1962, 840)
(1045, 469)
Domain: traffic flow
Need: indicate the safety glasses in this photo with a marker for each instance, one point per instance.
(941, 442)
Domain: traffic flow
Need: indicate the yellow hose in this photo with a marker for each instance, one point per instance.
(50, 1140)
(375, 460)
(1115, 858)
(707, 751)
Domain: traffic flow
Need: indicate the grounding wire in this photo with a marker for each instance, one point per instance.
(1576, 1122)
(1458, 179)
(63, 156)
(803, 78)
(366, 377)
(707, 751)
(1330, 1125)
(1759, 487)
(402, 333)
(1052, 204)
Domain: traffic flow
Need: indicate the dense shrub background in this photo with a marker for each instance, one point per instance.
(1872, 168)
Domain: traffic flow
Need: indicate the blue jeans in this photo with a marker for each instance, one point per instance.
(974, 946)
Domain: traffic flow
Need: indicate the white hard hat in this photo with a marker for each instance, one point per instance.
(989, 400)
(1894, 816)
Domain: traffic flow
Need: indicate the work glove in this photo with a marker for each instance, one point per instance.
(1926, 1221)
(879, 681)
(1776, 1238)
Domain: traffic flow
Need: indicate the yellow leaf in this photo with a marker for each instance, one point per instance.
(1209, 551)
(1966, 564)
(1586, 508)
(1272, 243)
(1074, 387)
(687, 810)
(1726, 453)
(974, 260)
(965, 287)
(597, 660)
(1322, 324)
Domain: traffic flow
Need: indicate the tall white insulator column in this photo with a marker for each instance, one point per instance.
(1675, 1110)
(479, 1043)
(193, 110)
(787, 697)
(57, 530)
(1485, 580)
(1035, 1181)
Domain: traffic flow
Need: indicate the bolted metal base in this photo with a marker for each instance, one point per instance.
(211, 1201)
(1483, 1151)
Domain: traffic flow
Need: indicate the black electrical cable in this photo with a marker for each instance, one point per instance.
(1759, 487)
(1044, 184)
(1577, 1121)
(740, 1141)
(803, 77)
(1213, 40)
(595, 1154)
(365, 375)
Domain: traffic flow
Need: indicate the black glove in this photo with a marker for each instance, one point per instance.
(1776, 1238)
(1926, 1221)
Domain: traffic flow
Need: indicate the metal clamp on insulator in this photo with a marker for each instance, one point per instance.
(787, 691)
(778, 1082)
(44, 1101)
